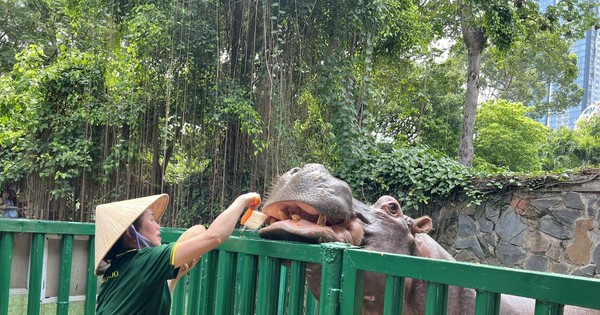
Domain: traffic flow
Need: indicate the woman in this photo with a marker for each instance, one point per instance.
(8, 202)
(135, 266)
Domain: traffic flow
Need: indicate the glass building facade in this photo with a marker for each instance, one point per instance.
(587, 53)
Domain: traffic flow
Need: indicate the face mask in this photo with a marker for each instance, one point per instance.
(140, 240)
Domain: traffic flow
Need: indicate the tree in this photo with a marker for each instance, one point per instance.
(570, 149)
(561, 150)
(499, 24)
(418, 102)
(529, 68)
(23, 23)
(507, 138)
(588, 135)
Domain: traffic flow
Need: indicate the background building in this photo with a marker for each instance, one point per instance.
(586, 50)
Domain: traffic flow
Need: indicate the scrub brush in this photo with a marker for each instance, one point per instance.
(253, 219)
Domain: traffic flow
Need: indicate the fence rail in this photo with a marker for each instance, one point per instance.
(248, 275)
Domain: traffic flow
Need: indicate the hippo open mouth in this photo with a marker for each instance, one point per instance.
(309, 205)
(298, 221)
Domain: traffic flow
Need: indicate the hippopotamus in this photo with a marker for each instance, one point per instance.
(310, 205)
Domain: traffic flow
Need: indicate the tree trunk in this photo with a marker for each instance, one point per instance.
(474, 37)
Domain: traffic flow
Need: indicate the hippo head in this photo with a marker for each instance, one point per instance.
(310, 205)
(387, 229)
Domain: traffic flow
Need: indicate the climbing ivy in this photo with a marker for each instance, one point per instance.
(415, 175)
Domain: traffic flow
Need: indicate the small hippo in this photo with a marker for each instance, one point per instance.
(310, 205)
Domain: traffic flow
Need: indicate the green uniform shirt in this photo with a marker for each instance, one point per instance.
(136, 282)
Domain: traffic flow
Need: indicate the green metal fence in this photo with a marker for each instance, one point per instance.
(247, 275)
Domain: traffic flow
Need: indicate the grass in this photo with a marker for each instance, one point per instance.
(17, 304)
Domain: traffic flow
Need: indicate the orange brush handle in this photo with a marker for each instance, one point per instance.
(248, 213)
(246, 216)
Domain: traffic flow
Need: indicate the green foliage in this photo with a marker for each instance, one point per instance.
(237, 108)
(529, 68)
(52, 113)
(314, 134)
(416, 176)
(208, 99)
(588, 136)
(499, 19)
(533, 51)
(506, 137)
(198, 200)
(560, 151)
(418, 102)
(403, 28)
(24, 23)
(571, 149)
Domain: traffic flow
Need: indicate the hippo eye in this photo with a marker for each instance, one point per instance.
(393, 208)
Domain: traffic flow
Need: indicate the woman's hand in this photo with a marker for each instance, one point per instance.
(183, 270)
(251, 199)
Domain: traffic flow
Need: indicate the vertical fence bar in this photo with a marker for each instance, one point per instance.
(35, 273)
(297, 285)
(202, 284)
(331, 277)
(311, 304)
(353, 286)
(548, 308)
(64, 274)
(92, 281)
(487, 303)
(6, 244)
(178, 303)
(196, 297)
(437, 299)
(282, 297)
(225, 283)
(394, 295)
(246, 284)
(268, 285)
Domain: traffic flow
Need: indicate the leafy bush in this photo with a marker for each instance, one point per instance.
(416, 176)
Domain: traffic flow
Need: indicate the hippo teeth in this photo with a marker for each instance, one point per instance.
(322, 220)
(282, 216)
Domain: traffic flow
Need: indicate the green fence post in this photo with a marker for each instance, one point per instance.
(202, 284)
(92, 280)
(487, 303)
(66, 259)
(352, 286)
(311, 304)
(225, 284)
(437, 299)
(548, 308)
(6, 244)
(268, 285)
(283, 290)
(394, 295)
(246, 285)
(297, 285)
(35, 273)
(331, 277)
(178, 302)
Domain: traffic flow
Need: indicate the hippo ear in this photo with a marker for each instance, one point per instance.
(421, 225)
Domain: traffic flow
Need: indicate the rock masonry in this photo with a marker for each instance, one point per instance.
(553, 230)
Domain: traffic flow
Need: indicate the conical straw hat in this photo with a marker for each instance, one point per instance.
(113, 219)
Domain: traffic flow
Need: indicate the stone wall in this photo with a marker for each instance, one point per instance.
(555, 229)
